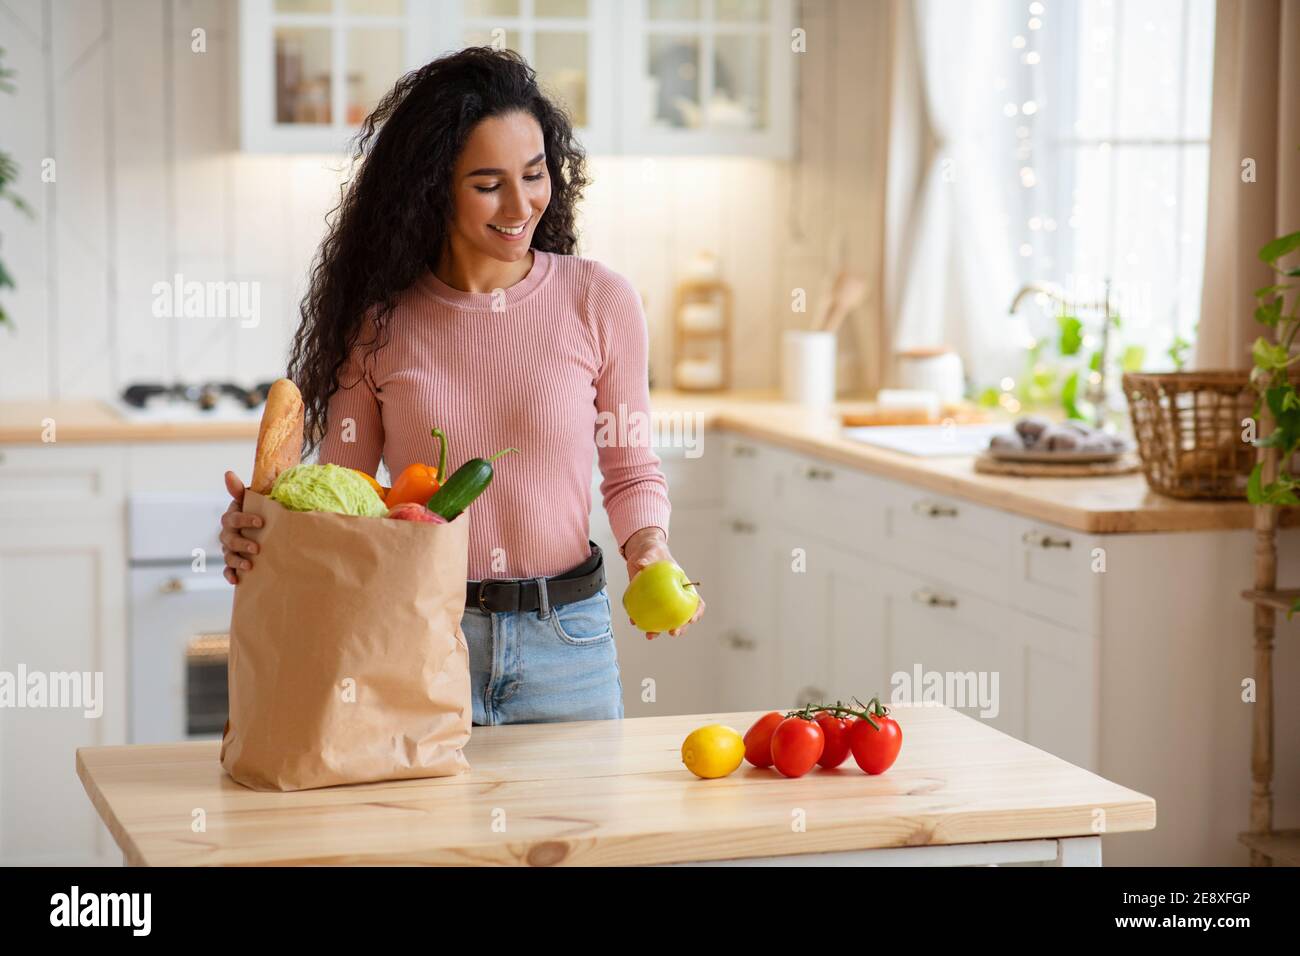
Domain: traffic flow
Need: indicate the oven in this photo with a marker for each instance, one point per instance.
(179, 617)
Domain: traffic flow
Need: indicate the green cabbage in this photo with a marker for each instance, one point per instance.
(327, 488)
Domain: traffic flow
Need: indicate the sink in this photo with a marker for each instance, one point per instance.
(930, 441)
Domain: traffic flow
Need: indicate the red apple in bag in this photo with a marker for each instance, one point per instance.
(414, 511)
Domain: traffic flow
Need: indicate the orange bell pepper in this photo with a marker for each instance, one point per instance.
(419, 482)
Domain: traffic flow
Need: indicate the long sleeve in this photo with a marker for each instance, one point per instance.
(633, 487)
(354, 427)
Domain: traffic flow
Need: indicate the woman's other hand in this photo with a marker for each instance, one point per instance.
(644, 548)
(235, 548)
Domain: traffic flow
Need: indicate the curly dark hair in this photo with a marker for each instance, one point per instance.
(394, 215)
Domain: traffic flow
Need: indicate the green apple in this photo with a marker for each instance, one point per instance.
(660, 597)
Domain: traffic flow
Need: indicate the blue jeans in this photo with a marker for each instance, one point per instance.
(555, 663)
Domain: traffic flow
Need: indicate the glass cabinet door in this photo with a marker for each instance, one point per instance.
(566, 41)
(312, 70)
(709, 76)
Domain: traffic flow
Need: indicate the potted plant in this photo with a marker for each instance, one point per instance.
(1272, 482)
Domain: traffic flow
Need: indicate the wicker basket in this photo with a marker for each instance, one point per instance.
(1189, 431)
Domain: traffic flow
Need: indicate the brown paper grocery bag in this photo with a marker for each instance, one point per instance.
(347, 661)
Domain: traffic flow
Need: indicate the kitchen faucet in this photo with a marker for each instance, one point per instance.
(1094, 392)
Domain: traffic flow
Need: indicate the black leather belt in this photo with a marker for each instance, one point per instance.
(521, 594)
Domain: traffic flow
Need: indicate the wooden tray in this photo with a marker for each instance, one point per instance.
(986, 464)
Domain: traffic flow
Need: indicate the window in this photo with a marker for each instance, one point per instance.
(1111, 107)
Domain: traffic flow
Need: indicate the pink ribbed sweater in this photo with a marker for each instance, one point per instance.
(566, 342)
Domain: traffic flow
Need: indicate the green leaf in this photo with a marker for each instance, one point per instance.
(1094, 361)
(1071, 334)
(1294, 607)
(1178, 352)
(1279, 247)
(990, 397)
(1268, 290)
(1132, 358)
(1270, 313)
(1069, 395)
(1254, 485)
(1269, 355)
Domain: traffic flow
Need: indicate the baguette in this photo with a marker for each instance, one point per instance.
(279, 440)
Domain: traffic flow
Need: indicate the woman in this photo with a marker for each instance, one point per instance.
(446, 293)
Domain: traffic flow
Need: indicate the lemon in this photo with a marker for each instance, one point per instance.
(713, 751)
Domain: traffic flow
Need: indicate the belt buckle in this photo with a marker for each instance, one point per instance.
(482, 586)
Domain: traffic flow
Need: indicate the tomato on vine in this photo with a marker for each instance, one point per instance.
(797, 745)
(836, 729)
(876, 741)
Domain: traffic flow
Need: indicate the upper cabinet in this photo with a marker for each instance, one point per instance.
(707, 77)
(636, 76)
(311, 70)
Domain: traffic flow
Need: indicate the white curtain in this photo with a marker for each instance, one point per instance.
(952, 263)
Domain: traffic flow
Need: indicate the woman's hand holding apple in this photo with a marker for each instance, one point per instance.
(663, 588)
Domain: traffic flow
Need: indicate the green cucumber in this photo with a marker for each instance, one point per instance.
(465, 484)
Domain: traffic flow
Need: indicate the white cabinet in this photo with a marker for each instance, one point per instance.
(311, 70)
(62, 625)
(636, 76)
(707, 77)
(671, 675)
(842, 584)
(570, 43)
(64, 611)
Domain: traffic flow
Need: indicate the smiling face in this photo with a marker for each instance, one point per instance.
(502, 188)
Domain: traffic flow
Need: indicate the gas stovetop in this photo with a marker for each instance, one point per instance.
(211, 401)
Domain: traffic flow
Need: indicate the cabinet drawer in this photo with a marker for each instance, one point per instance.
(948, 645)
(692, 482)
(833, 502)
(948, 537)
(751, 472)
(1055, 573)
(51, 481)
(188, 466)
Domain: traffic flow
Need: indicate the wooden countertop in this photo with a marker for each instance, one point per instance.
(605, 792)
(1122, 503)
(92, 422)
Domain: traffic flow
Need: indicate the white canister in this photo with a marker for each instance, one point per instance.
(937, 370)
(808, 367)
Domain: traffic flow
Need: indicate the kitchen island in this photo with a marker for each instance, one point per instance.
(615, 793)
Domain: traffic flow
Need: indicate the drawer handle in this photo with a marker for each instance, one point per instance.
(813, 473)
(744, 451)
(932, 599)
(1040, 540)
(739, 643)
(743, 527)
(192, 584)
(932, 509)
